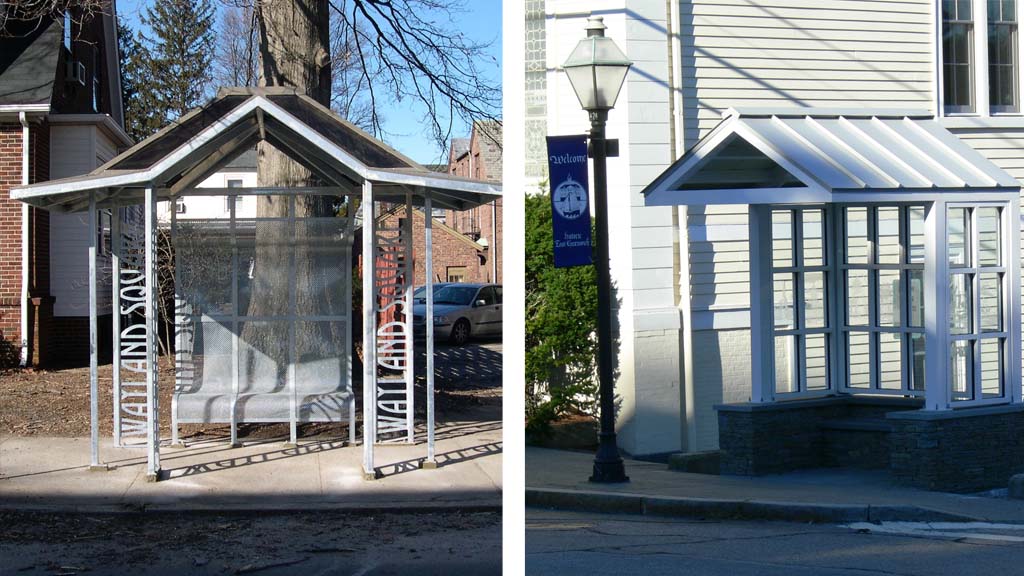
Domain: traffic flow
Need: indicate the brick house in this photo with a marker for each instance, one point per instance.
(60, 115)
(479, 157)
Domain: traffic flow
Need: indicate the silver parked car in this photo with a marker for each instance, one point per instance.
(462, 311)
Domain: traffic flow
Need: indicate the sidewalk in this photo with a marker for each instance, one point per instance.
(52, 474)
(558, 479)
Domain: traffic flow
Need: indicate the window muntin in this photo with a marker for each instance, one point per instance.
(957, 56)
(882, 324)
(1002, 56)
(801, 273)
(978, 314)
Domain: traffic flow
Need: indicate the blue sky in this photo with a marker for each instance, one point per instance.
(480, 21)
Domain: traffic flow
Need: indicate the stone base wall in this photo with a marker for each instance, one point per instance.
(957, 450)
(757, 439)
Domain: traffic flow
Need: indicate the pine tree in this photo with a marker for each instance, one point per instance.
(180, 55)
(136, 95)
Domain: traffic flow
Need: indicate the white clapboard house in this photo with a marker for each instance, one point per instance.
(771, 114)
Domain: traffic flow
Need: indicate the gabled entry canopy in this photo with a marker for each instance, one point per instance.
(799, 155)
(183, 154)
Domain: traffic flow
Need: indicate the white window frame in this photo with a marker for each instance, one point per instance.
(979, 60)
(974, 334)
(799, 271)
(874, 328)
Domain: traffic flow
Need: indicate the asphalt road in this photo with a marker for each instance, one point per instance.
(261, 544)
(564, 543)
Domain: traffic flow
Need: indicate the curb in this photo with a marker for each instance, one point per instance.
(626, 503)
(490, 505)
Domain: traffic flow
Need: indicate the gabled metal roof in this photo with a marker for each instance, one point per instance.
(823, 155)
(186, 152)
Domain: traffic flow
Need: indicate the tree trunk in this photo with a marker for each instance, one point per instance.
(294, 52)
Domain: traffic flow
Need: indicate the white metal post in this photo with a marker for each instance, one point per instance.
(293, 436)
(1011, 240)
(115, 317)
(349, 240)
(152, 415)
(369, 334)
(428, 322)
(179, 336)
(936, 310)
(235, 327)
(762, 355)
(410, 286)
(94, 398)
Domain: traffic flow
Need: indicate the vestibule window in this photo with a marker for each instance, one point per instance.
(882, 286)
(801, 267)
(977, 311)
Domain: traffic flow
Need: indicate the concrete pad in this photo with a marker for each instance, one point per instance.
(54, 473)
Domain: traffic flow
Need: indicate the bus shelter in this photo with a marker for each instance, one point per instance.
(263, 306)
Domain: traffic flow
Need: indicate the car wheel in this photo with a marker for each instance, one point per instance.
(460, 333)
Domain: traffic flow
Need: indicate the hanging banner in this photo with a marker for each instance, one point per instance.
(570, 207)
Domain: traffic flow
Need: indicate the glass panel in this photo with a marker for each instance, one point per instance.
(782, 291)
(958, 224)
(814, 233)
(857, 235)
(916, 312)
(988, 236)
(857, 297)
(889, 298)
(991, 295)
(816, 361)
(960, 304)
(814, 300)
(917, 361)
(858, 359)
(991, 367)
(890, 361)
(321, 257)
(785, 362)
(961, 370)
(888, 229)
(264, 259)
(782, 239)
(915, 252)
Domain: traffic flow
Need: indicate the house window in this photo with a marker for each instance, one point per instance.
(882, 289)
(179, 205)
(801, 270)
(980, 57)
(236, 200)
(456, 274)
(977, 303)
(1002, 56)
(957, 56)
(67, 30)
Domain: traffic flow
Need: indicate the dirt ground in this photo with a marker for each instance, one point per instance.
(39, 402)
(220, 543)
(570, 432)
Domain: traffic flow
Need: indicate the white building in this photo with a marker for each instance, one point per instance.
(682, 274)
(239, 173)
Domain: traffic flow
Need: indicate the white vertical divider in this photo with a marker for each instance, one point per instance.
(235, 323)
(369, 334)
(116, 244)
(762, 375)
(94, 400)
(410, 286)
(428, 248)
(936, 310)
(292, 311)
(152, 397)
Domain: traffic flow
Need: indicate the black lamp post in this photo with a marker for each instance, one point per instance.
(596, 69)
